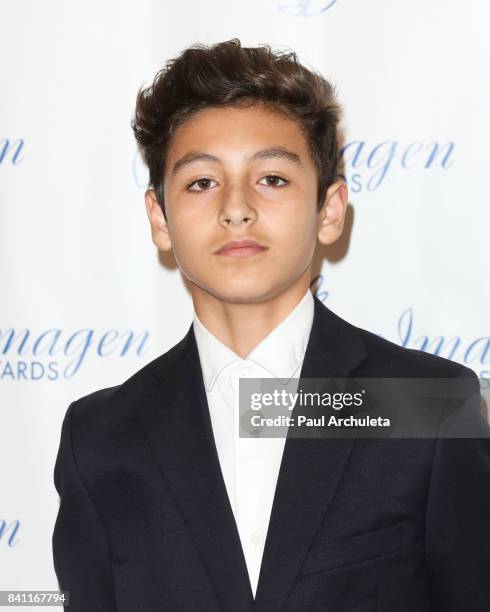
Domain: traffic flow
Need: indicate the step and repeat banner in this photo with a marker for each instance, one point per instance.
(86, 300)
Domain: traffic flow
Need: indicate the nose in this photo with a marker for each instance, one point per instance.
(236, 209)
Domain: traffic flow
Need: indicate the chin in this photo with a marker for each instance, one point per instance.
(247, 295)
(240, 293)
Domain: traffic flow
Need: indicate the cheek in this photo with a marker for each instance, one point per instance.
(191, 250)
(294, 228)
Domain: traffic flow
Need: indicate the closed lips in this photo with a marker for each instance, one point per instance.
(240, 244)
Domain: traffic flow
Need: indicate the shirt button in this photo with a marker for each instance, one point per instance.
(256, 538)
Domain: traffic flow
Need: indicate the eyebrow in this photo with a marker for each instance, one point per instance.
(269, 153)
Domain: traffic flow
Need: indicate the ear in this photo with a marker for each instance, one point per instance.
(159, 227)
(332, 213)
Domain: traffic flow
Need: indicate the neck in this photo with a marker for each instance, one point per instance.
(241, 326)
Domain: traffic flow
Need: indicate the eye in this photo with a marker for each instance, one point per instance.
(198, 185)
(272, 180)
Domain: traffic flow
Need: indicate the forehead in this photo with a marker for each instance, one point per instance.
(239, 129)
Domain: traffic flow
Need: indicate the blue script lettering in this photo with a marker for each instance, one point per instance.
(379, 159)
(476, 351)
(306, 8)
(5, 147)
(315, 285)
(13, 532)
(75, 346)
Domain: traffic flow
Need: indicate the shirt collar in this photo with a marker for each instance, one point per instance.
(280, 352)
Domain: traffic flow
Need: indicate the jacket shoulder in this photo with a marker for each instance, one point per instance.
(104, 407)
(385, 359)
(393, 360)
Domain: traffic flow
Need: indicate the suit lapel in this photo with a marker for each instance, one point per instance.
(175, 418)
(311, 468)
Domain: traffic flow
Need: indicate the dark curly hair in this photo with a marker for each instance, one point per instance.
(227, 74)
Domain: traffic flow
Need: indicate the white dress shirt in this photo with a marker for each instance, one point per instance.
(250, 466)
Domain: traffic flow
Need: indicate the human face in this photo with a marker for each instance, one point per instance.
(238, 173)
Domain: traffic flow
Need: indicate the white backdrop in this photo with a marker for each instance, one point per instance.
(86, 301)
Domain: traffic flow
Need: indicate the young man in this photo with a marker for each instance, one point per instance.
(163, 505)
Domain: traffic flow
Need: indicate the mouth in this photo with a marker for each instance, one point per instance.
(241, 248)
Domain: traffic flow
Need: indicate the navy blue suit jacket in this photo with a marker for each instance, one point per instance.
(357, 525)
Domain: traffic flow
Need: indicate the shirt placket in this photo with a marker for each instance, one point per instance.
(249, 485)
